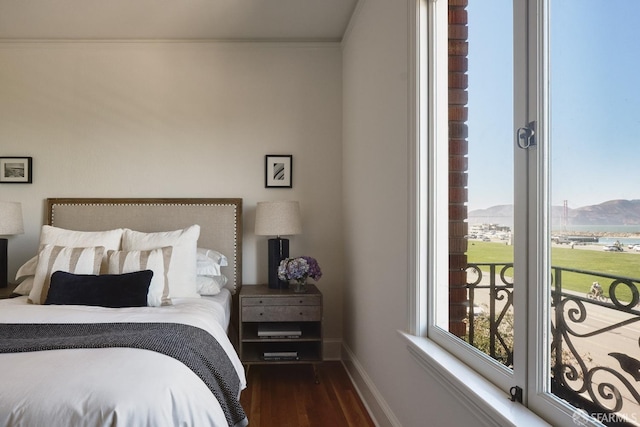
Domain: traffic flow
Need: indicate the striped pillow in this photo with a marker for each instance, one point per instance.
(60, 258)
(156, 260)
(50, 235)
(182, 272)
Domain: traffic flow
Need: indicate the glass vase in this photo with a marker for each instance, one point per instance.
(300, 286)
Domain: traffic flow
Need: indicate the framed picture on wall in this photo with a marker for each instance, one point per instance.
(16, 170)
(278, 171)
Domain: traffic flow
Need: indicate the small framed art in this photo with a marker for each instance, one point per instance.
(16, 170)
(278, 171)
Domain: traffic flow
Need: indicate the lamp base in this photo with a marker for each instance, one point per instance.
(4, 270)
(278, 250)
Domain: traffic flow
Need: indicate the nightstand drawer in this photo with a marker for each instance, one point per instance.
(283, 313)
(288, 300)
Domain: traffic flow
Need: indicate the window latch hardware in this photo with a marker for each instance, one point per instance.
(525, 136)
(516, 394)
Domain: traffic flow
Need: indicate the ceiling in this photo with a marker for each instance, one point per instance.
(271, 20)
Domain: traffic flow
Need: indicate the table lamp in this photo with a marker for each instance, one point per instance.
(277, 219)
(10, 224)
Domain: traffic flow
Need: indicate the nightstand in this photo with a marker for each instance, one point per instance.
(280, 326)
(6, 292)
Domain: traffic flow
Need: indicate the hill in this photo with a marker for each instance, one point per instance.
(609, 213)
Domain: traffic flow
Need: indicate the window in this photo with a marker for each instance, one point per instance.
(526, 140)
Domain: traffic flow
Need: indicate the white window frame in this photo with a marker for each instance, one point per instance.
(433, 193)
(481, 384)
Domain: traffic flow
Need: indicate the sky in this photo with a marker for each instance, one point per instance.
(595, 102)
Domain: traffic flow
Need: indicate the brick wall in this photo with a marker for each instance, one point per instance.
(458, 162)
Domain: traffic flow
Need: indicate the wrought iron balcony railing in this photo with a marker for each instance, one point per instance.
(595, 350)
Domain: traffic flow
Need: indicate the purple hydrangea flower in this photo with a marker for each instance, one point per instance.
(314, 269)
(299, 269)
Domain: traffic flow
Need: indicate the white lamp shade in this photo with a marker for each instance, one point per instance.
(11, 219)
(278, 219)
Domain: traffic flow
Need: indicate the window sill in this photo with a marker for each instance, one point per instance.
(487, 402)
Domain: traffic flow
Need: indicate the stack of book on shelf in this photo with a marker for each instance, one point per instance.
(279, 330)
(280, 355)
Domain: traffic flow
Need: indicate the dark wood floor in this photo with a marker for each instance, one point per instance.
(288, 396)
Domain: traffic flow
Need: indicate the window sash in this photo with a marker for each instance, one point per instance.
(430, 202)
(433, 205)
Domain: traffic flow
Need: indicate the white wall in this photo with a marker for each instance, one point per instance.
(173, 119)
(376, 178)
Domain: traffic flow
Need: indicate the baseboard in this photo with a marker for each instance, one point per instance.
(377, 407)
(332, 349)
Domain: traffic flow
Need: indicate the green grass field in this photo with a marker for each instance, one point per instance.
(615, 263)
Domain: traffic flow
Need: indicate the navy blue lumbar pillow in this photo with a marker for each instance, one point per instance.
(107, 290)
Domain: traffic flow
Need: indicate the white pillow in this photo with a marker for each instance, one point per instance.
(211, 285)
(50, 235)
(156, 260)
(24, 288)
(213, 255)
(28, 269)
(110, 239)
(182, 270)
(54, 258)
(209, 261)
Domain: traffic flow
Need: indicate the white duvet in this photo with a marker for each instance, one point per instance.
(109, 387)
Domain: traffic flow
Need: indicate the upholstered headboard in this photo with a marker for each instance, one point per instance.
(220, 221)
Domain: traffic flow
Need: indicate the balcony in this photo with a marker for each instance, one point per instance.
(595, 351)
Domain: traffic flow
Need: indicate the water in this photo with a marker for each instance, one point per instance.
(612, 229)
(604, 228)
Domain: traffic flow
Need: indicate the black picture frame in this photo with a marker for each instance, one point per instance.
(16, 170)
(278, 171)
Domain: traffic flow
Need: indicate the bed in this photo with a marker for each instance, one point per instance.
(125, 317)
